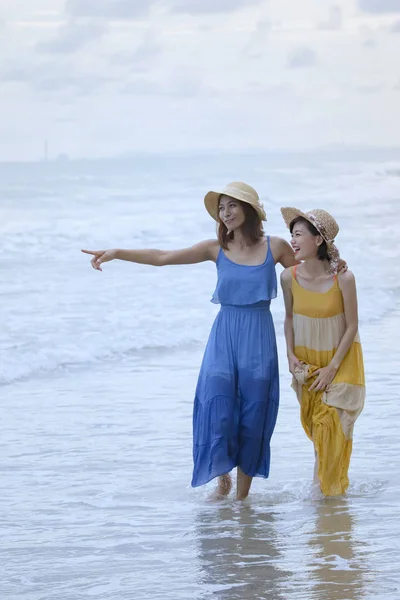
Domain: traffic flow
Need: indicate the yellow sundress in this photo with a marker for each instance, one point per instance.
(328, 417)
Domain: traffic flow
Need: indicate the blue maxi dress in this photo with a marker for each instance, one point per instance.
(237, 394)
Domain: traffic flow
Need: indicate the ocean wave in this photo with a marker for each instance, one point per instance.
(58, 314)
(17, 365)
(56, 348)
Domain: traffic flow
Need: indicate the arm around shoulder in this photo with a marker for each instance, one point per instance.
(283, 252)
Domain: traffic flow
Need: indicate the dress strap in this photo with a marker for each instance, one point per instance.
(267, 256)
(219, 255)
(294, 269)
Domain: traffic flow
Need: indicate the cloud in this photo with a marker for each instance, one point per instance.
(209, 6)
(72, 36)
(334, 21)
(51, 77)
(142, 87)
(302, 57)
(256, 46)
(373, 88)
(395, 27)
(108, 9)
(135, 9)
(268, 91)
(182, 85)
(379, 6)
(140, 57)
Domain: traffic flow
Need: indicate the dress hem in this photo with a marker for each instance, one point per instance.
(195, 485)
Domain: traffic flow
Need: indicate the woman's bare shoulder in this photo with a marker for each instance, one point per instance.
(286, 275)
(277, 242)
(346, 278)
(212, 247)
(346, 281)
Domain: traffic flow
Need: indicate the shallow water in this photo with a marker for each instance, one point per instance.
(98, 375)
(96, 502)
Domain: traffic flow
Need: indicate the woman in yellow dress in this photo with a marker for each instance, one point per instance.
(323, 344)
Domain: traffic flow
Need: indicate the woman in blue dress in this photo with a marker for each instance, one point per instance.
(237, 394)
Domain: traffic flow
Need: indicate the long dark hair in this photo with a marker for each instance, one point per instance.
(322, 252)
(252, 228)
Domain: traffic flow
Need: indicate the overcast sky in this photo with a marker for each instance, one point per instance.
(103, 77)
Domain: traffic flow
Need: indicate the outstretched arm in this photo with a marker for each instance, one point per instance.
(201, 252)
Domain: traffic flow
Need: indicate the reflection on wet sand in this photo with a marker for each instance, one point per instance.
(338, 564)
(239, 553)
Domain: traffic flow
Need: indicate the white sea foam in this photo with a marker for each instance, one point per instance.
(56, 311)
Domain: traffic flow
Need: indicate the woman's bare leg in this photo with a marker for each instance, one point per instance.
(223, 488)
(243, 484)
(316, 478)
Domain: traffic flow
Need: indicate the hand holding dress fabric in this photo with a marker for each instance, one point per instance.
(324, 378)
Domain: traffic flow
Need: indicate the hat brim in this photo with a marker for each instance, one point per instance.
(289, 213)
(211, 203)
(211, 200)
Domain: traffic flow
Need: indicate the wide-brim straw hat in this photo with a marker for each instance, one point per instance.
(239, 191)
(323, 222)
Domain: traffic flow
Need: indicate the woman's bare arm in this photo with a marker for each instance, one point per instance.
(201, 252)
(283, 252)
(347, 284)
(326, 375)
(286, 283)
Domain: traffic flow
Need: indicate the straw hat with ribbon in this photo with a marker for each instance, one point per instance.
(238, 190)
(324, 223)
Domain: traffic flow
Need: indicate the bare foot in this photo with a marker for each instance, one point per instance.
(223, 488)
(243, 485)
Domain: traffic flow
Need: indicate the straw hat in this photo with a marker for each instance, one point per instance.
(238, 190)
(324, 223)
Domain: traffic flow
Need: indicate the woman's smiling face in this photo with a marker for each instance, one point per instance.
(231, 212)
(304, 243)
